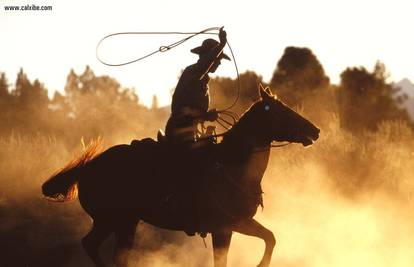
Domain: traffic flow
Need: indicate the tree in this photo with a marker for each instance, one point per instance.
(224, 91)
(4, 86)
(30, 96)
(22, 85)
(298, 75)
(154, 103)
(98, 103)
(365, 99)
(29, 105)
(5, 103)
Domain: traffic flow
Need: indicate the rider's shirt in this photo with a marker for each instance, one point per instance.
(191, 93)
(191, 99)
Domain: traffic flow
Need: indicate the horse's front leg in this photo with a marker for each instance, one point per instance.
(221, 244)
(252, 228)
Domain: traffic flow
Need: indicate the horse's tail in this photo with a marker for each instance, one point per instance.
(63, 185)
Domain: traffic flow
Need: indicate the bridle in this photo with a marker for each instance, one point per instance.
(226, 124)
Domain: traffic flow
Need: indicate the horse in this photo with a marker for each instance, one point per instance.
(144, 182)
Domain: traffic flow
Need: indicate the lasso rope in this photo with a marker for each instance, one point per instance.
(162, 48)
(165, 48)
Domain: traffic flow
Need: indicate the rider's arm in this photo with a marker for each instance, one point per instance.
(204, 63)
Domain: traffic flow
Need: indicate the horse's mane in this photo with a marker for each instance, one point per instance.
(242, 122)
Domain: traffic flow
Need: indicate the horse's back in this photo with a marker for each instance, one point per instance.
(114, 179)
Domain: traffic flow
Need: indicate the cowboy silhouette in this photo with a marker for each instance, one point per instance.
(190, 102)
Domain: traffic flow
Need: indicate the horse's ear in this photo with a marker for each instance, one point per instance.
(268, 91)
(264, 93)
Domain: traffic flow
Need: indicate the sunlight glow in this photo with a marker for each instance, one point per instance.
(340, 33)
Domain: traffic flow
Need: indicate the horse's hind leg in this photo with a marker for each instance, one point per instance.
(221, 244)
(125, 234)
(100, 231)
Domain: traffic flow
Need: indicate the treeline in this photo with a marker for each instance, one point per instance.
(363, 100)
(91, 106)
(98, 105)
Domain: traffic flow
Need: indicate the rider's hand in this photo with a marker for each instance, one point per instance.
(212, 115)
(222, 36)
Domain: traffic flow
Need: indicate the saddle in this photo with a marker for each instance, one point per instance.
(181, 162)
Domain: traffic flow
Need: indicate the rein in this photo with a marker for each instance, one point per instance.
(228, 124)
(256, 150)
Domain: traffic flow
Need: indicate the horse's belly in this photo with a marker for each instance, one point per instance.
(166, 224)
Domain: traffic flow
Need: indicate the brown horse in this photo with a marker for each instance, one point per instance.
(147, 181)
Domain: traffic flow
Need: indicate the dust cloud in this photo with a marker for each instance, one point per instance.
(345, 201)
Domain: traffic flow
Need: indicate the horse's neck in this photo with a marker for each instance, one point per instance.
(255, 166)
(247, 156)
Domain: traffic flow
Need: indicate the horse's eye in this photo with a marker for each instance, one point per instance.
(267, 107)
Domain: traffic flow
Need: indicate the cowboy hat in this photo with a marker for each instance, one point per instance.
(206, 46)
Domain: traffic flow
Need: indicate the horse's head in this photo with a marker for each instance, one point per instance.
(277, 122)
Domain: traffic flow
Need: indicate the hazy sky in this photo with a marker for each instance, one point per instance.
(341, 33)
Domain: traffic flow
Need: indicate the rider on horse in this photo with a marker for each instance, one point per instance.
(190, 102)
(190, 106)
